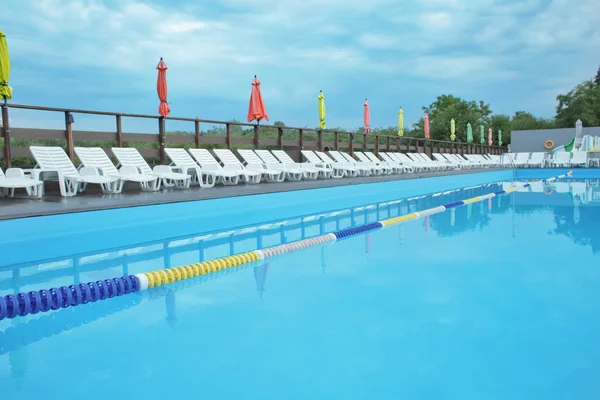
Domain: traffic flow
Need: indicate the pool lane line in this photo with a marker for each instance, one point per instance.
(24, 303)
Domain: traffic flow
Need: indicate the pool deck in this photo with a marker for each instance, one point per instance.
(93, 200)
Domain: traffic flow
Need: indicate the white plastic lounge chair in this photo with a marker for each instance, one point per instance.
(53, 163)
(95, 157)
(292, 172)
(231, 162)
(433, 163)
(326, 167)
(15, 179)
(349, 170)
(521, 159)
(537, 160)
(418, 166)
(452, 163)
(400, 168)
(309, 171)
(208, 163)
(254, 162)
(349, 162)
(181, 161)
(377, 167)
(466, 163)
(561, 159)
(579, 159)
(392, 167)
(478, 161)
(430, 164)
(131, 157)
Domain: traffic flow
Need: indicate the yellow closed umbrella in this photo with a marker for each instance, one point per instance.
(322, 124)
(400, 122)
(452, 129)
(5, 90)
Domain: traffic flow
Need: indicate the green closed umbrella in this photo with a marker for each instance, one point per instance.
(469, 133)
(499, 138)
(481, 139)
(5, 90)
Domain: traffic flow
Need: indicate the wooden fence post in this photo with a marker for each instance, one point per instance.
(256, 137)
(300, 143)
(280, 138)
(69, 133)
(320, 140)
(6, 136)
(197, 132)
(228, 136)
(161, 138)
(119, 131)
(337, 140)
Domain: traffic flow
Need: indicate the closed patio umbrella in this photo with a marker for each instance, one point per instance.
(322, 123)
(256, 109)
(161, 88)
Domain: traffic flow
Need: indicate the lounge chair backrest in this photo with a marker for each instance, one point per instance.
(311, 156)
(362, 157)
(96, 157)
(426, 157)
(285, 158)
(250, 157)
(521, 157)
(419, 157)
(227, 157)
(180, 157)
(579, 157)
(131, 157)
(337, 156)
(537, 158)
(387, 157)
(2, 176)
(266, 157)
(203, 157)
(53, 158)
(404, 158)
(324, 157)
(348, 157)
(372, 157)
(562, 157)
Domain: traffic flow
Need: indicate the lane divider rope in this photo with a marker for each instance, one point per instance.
(21, 304)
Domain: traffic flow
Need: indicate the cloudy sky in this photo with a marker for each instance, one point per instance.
(102, 54)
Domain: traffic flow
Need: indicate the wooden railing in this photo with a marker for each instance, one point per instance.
(152, 146)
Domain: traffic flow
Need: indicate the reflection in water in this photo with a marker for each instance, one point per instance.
(260, 277)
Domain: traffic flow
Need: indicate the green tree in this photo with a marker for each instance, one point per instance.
(597, 78)
(500, 122)
(583, 102)
(448, 107)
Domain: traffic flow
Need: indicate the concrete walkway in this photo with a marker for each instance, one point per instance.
(93, 200)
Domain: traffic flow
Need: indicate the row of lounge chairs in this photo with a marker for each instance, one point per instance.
(540, 159)
(205, 169)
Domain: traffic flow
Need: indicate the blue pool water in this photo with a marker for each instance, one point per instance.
(492, 300)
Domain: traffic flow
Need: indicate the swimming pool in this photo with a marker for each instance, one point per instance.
(495, 299)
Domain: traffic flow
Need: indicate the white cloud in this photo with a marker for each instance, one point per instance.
(436, 21)
(376, 41)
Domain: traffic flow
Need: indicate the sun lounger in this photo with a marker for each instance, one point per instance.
(208, 163)
(431, 164)
(231, 162)
(350, 163)
(15, 179)
(377, 167)
(349, 170)
(579, 159)
(326, 167)
(95, 157)
(310, 171)
(253, 162)
(452, 163)
(292, 171)
(181, 161)
(52, 163)
(131, 157)
(392, 167)
(537, 160)
(406, 160)
(561, 159)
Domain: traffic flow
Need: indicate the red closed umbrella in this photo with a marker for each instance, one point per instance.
(161, 88)
(256, 110)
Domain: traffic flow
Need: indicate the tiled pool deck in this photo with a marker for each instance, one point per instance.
(92, 200)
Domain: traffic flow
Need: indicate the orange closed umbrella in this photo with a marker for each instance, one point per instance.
(367, 117)
(161, 88)
(256, 110)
